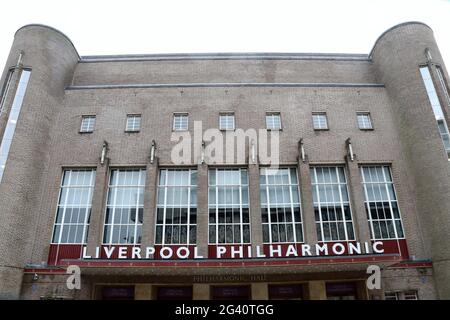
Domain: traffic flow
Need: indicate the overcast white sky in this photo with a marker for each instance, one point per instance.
(168, 26)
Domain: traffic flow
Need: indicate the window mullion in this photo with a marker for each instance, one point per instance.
(241, 222)
(367, 202)
(166, 189)
(217, 205)
(291, 200)
(344, 219)
(65, 205)
(87, 210)
(269, 207)
(188, 210)
(319, 205)
(136, 218)
(390, 204)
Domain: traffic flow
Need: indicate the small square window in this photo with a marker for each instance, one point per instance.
(180, 122)
(87, 124)
(133, 123)
(364, 121)
(273, 121)
(411, 295)
(391, 296)
(226, 121)
(320, 121)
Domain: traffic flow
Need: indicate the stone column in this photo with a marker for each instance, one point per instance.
(98, 208)
(361, 290)
(201, 291)
(260, 291)
(356, 193)
(149, 219)
(255, 207)
(309, 221)
(317, 290)
(202, 210)
(143, 291)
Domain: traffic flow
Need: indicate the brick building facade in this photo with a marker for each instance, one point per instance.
(87, 167)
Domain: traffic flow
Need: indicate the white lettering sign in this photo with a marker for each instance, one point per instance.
(237, 251)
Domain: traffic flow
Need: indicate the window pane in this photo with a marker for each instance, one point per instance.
(228, 199)
(177, 208)
(226, 121)
(320, 121)
(364, 121)
(87, 124)
(330, 196)
(5, 89)
(283, 203)
(125, 205)
(12, 119)
(381, 201)
(273, 121)
(180, 122)
(133, 123)
(74, 206)
(436, 105)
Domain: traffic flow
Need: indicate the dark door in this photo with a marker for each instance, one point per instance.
(174, 293)
(341, 291)
(231, 293)
(285, 292)
(118, 293)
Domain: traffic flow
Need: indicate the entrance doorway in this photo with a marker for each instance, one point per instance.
(174, 293)
(341, 291)
(117, 293)
(231, 292)
(285, 292)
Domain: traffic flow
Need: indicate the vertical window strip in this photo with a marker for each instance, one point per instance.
(280, 206)
(8, 135)
(74, 207)
(229, 220)
(176, 220)
(443, 82)
(437, 108)
(5, 89)
(125, 207)
(381, 203)
(331, 204)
